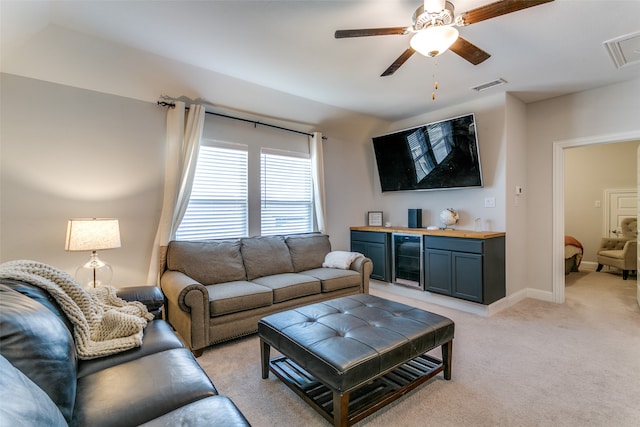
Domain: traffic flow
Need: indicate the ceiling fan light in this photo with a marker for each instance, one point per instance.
(432, 41)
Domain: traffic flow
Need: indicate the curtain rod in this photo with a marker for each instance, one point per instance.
(255, 123)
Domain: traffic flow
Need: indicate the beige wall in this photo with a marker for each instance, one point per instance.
(69, 152)
(603, 113)
(92, 143)
(516, 204)
(588, 172)
(490, 127)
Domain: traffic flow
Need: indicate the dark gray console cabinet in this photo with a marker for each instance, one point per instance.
(470, 269)
(377, 247)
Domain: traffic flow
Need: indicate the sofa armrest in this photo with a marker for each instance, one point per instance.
(612, 244)
(150, 296)
(630, 251)
(187, 308)
(364, 266)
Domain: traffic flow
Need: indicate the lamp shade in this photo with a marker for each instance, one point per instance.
(92, 234)
(434, 40)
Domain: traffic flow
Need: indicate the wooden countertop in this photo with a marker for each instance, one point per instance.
(449, 232)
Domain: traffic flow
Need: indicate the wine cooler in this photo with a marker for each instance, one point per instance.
(408, 260)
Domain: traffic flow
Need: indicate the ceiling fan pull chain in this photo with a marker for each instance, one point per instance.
(435, 80)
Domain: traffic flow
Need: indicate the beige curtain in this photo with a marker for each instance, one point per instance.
(183, 143)
(317, 171)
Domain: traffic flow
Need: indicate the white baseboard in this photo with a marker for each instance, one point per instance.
(425, 296)
(538, 294)
(465, 306)
(589, 265)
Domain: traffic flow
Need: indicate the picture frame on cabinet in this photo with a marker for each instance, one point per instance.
(374, 219)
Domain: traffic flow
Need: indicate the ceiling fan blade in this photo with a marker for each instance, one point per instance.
(469, 51)
(341, 34)
(398, 62)
(498, 8)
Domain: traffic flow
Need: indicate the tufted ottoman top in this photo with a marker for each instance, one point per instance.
(347, 341)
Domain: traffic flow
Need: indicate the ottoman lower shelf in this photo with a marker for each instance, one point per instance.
(364, 400)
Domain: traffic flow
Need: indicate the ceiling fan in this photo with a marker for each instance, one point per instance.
(434, 33)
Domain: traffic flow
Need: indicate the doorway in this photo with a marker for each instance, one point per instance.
(599, 185)
(559, 148)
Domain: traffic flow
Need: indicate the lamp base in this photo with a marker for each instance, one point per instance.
(94, 273)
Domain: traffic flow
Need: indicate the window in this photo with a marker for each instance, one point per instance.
(249, 181)
(430, 148)
(218, 207)
(286, 193)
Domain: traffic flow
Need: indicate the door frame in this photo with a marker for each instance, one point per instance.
(558, 200)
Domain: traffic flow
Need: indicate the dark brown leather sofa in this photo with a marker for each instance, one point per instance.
(42, 381)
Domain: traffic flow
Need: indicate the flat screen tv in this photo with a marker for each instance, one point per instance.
(434, 156)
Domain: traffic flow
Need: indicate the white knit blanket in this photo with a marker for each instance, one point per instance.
(340, 259)
(103, 324)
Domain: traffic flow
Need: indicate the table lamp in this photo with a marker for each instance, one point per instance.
(93, 234)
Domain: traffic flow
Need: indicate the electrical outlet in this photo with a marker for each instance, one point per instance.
(489, 202)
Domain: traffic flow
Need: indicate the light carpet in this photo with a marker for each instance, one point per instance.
(534, 364)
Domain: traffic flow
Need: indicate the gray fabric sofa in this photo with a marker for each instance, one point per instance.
(217, 290)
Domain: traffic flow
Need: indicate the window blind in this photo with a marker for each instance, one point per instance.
(218, 207)
(286, 193)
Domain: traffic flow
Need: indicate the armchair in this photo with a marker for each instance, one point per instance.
(620, 252)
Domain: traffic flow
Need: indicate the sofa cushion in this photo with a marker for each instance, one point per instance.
(208, 262)
(264, 256)
(158, 336)
(210, 411)
(39, 344)
(308, 250)
(334, 279)
(140, 390)
(231, 297)
(290, 285)
(23, 402)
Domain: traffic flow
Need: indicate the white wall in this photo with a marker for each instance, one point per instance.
(610, 110)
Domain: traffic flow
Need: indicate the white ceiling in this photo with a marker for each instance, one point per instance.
(544, 51)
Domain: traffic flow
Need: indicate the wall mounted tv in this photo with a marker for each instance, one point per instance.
(435, 156)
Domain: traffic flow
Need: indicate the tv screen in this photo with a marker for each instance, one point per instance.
(434, 156)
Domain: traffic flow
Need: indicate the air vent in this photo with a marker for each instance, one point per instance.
(488, 85)
(624, 50)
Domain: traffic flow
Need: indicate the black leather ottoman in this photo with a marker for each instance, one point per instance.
(350, 356)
